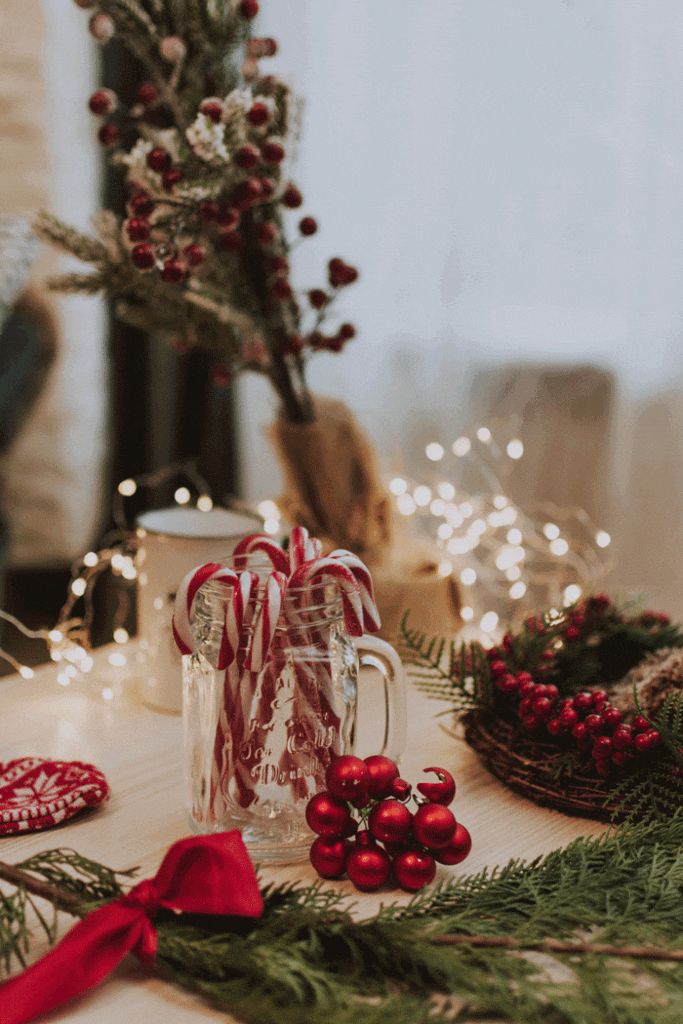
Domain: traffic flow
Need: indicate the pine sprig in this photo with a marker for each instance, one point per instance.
(443, 671)
(309, 960)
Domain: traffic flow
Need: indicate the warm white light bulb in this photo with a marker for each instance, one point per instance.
(405, 505)
(515, 449)
(127, 488)
(422, 495)
(484, 435)
(466, 613)
(551, 531)
(79, 587)
(517, 590)
(446, 490)
(90, 559)
(204, 503)
(461, 446)
(434, 451)
(445, 567)
(182, 496)
(572, 593)
(489, 621)
(398, 486)
(559, 547)
(603, 539)
(468, 577)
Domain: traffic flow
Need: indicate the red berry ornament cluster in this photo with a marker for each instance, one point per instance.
(367, 801)
(587, 720)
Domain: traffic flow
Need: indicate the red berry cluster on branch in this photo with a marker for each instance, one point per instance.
(586, 720)
(393, 840)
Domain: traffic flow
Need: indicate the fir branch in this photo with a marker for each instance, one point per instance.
(83, 247)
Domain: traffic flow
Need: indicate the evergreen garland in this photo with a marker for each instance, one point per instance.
(604, 913)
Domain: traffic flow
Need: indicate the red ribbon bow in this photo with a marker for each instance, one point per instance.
(202, 875)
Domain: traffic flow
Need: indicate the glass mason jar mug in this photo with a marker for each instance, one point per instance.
(257, 744)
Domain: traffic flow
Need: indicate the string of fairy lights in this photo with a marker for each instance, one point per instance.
(507, 558)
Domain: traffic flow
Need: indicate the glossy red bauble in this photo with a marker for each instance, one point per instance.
(434, 826)
(381, 774)
(441, 792)
(401, 789)
(390, 821)
(326, 815)
(328, 856)
(368, 867)
(347, 777)
(458, 848)
(414, 869)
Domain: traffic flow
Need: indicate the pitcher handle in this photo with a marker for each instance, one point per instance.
(377, 654)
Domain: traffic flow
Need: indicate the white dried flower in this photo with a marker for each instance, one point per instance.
(207, 140)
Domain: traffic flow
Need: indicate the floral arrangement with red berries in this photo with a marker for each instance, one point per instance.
(566, 709)
(202, 257)
(368, 801)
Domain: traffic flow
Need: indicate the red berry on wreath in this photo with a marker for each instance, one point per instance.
(582, 701)
(441, 792)
(317, 298)
(103, 102)
(326, 815)
(279, 265)
(142, 256)
(599, 697)
(390, 821)
(347, 331)
(195, 254)
(498, 668)
(381, 774)
(368, 867)
(554, 726)
(108, 135)
(572, 633)
(292, 197)
(568, 717)
(212, 107)
(580, 732)
(227, 217)
(640, 723)
(220, 376)
(258, 114)
(147, 94)
(248, 192)
(434, 826)
(247, 156)
(611, 717)
(158, 159)
(138, 229)
(602, 747)
(295, 345)
(542, 706)
(457, 849)
(248, 8)
(173, 271)
(414, 869)
(622, 738)
(308, 225)
(101, 27)
(328, 856)
(347, 777)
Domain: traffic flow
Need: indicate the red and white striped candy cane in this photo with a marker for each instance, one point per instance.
(371, 618)
(240, 611)
(325, 570)
(266, 621)
(184, 602)
(261, 542)
(302, 548)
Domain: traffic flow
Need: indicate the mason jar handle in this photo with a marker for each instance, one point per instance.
(377, 654)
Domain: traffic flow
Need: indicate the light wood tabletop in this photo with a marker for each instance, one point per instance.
(140, 751)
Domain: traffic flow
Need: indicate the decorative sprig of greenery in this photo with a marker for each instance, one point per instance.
(605, 914)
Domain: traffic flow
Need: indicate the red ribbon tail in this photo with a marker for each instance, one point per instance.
(83, 958)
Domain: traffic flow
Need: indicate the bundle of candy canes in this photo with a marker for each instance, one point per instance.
(368, 801)
(248, 652)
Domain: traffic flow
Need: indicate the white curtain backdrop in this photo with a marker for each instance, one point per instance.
(509, 178)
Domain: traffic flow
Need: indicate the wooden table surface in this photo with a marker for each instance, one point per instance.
(140, 751)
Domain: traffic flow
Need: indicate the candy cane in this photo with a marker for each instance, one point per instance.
(184, 603)
(371, 617)
(265, 544)
(299, 546)
(332, 570)
(239, 612)
(264, 627)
